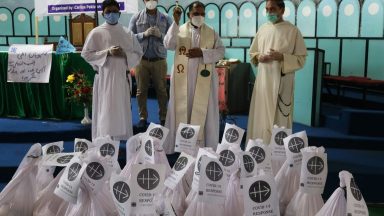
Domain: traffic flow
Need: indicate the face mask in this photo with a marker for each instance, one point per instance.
(197, 20)
(272, 18)
(150, 5)
(112, 18)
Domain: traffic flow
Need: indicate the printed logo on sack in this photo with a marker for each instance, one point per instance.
(249, 165)
(259, 191)
(214, 171)
(181, 163)
(157, 133)
(295, 144)
(54, 149)
(187, 132)
(148, 179)
(95, 171)
(257, 153)
(121, 191)
(64, 159)
(232, 135)
(148, 147)
(227, 157)
(73, 171)
(107, 149)
(279, 137)
(81, 147)
(315, 165)
(355, 190)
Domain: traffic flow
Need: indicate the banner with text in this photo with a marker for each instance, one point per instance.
(66, 7)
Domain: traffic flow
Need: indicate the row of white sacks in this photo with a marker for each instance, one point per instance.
(286, 177)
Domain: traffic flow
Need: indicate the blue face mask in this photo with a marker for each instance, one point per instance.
(272, 18)
(112, 18)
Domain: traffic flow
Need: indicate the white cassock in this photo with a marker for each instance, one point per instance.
(210, 56)
(272, 98)
(111, 105)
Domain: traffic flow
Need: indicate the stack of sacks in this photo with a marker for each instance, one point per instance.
(82, 187)
(48, 203)
(93, 196)
(288, 177)
(307, 201)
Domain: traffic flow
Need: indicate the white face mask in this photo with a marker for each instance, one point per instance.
(150, 5)
(197, 20)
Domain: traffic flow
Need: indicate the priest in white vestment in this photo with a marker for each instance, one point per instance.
(278, 50)
(111, 50)
(194, 82)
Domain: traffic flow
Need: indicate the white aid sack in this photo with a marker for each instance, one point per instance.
(288, 177)
(18, 197)
(209, 198)
(307, 201)
(336, 204)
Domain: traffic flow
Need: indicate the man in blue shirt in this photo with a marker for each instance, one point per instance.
(150, 26)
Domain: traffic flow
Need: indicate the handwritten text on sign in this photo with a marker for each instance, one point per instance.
(29, 63)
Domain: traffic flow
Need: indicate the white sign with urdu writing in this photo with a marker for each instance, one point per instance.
(121, 191)
(147, 181)
(29, 63)
(314, 170)
(293, 144)
(277, 143)
(260, 196)
(186, 138)
(69, 183)
(232, 135)
(181, 166)
(213, 182)
(157, 131)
